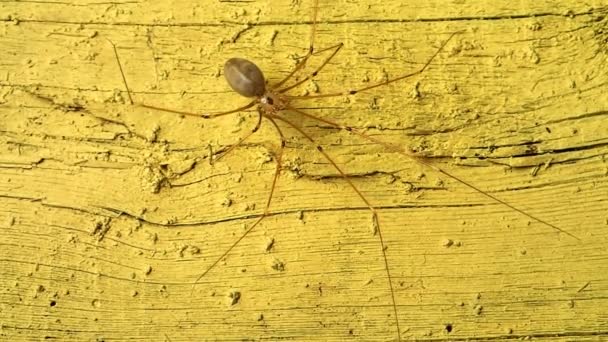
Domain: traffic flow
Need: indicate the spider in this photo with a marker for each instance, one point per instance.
(271, 100)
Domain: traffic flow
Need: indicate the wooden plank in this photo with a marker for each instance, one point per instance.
(208, 13)
(109, 212)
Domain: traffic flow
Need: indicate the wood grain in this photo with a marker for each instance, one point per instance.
(109, 212)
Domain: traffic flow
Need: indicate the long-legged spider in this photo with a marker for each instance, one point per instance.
(271, 100)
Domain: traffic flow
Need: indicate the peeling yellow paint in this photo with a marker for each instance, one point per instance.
(109, 212)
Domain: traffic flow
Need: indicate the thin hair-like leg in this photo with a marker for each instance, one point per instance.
(122, 74)
(375, 218)
(311, 47)
(205, 116)
(420, 161)
(202, 115)
(275, 178)
(383, 83)
(313, 31)
(337, 48)
(241, 140)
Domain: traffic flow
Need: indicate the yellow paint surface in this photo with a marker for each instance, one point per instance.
(109, 212)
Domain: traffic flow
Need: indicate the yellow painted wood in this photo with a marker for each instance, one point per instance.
(109, 212)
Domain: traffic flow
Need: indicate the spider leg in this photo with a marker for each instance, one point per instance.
(422, 162)
(266, 212)
(383, 83)
(367, 203)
